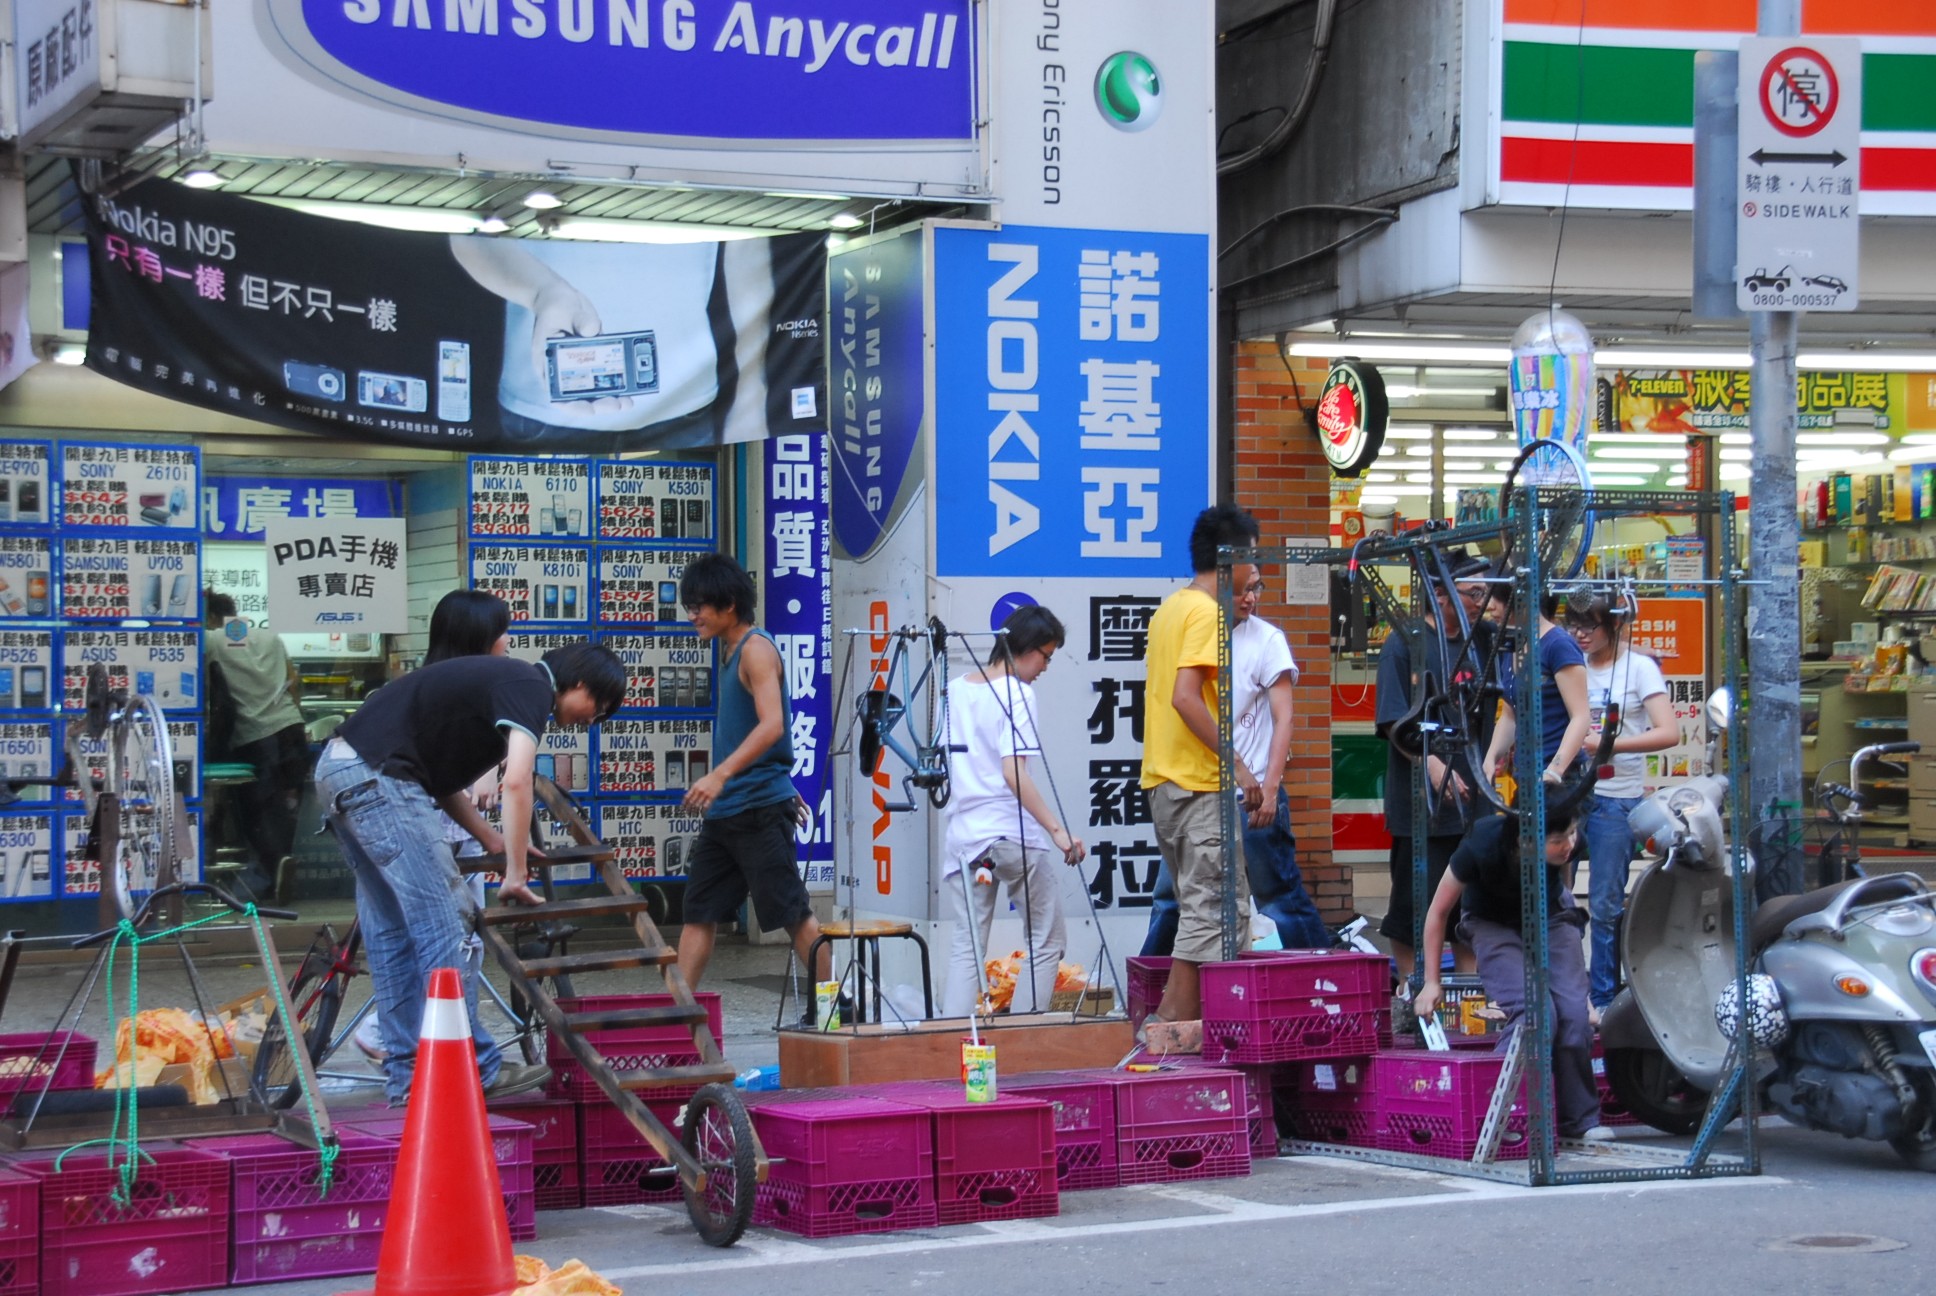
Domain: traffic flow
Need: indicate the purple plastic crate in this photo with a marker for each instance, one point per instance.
(1148, 977)
(172, 1236)
(557, 1185)
(1180, 1124)
(1351, 1126)
(554, 1148)
(19, 1234)
(1293, 1005)
(616, 1166)
(1260, 1117)
(64, 1057)
(1434, 1104)
(992, 1160)
(1085, 1124)
(634, 1039)
(845, 1165)
(285, 1225)
(573, 1083)
(511, 1147)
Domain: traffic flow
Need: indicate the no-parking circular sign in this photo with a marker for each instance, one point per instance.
(1800, 93)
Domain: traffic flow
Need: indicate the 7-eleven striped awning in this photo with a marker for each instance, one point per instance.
(1597, 97)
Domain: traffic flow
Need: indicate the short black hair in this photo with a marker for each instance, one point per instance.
(217, 604)
(596, 667)
(1217, 526)
(717, 580)
(466, 623)
(1029, 627)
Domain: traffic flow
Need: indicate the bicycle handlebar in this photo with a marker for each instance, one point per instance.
(184, 888)
(1871, 753)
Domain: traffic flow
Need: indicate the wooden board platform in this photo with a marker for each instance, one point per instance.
(931, 1050)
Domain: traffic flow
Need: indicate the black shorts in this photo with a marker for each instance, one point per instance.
(1398, 917)
(751, 852)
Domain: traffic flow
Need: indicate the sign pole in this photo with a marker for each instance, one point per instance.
(1774, 538)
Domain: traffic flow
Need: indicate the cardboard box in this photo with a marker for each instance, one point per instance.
(1922, 718)
(1922, 820)
(1922, 776)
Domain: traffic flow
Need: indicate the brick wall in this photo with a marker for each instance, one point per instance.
(1280, 475)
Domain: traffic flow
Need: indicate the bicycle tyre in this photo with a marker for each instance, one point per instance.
(719, 1135)
(141, 771)
(315, 996)
(1563, 522)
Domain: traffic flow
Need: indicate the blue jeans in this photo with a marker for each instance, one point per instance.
(1609, 855)
(411, 904)
(1276, 889)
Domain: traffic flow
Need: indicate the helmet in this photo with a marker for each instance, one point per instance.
(1767, 1021)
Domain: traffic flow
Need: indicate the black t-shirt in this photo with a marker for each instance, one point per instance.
(442, 726)
(1395, 685)
(1487, 861)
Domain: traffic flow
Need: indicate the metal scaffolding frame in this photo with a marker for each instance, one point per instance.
(1722, 576)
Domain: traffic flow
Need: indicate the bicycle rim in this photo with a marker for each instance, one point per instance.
(141, 770)
(1561, 521)
(315, 997)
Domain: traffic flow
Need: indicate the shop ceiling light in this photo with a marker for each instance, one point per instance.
(618, 231)
(1747, 438)
(1845, 437)
(1377, 497)
(420, 220)
(847, 220)
(1617, 480)
(1470, 451)
(1632, 438)
(1468, 354)
(1408, 433)
(1735, 454)
(1419, 451)
(70, 353)
(1472, 434)
(1672, 451)
(1913, 454)
(493, 225)
(1734, 472)
(1866, 361)
(543, 200)
(203, 178)
(1633, 358)
(1399, 391)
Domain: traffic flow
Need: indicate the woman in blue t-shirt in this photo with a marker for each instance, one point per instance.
(1565, 717)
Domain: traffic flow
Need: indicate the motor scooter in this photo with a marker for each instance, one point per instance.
(1841, 1002)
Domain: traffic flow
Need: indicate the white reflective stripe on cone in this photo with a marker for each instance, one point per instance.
(444, 1019)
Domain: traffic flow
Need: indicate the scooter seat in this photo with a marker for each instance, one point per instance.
(1771, 919)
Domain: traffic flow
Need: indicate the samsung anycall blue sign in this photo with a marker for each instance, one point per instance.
(827, 71)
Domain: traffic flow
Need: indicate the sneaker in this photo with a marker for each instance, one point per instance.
(517, 1079)
(369, 1037)
(1598, 1134)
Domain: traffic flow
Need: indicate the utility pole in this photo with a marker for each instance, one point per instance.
(1774, 602)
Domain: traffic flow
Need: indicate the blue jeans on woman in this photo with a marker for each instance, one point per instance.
(1276, 889)
(1609, 856)
(411, 904)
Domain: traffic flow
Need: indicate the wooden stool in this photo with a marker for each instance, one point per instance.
(867, 935)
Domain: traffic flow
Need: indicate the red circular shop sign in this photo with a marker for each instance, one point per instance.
(1799, 92)
(1351, 418)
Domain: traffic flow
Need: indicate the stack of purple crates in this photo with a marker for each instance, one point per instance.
(171, 1236)
(286, 1225)
(992, 1160)
(843, 1164)
(19, 1234)
(616, 1166)
(511, 1145)
(629, 1048)
(555, 1171)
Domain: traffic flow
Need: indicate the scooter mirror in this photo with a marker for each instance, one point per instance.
(1720, 709)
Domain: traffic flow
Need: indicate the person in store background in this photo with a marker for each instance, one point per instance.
(465, 623)
(265, 730)
(1618, 675)
(1565, 719)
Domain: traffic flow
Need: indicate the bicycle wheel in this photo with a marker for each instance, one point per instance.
(315, 996)
(1562, 521)
(141, 772)
(719, 1135)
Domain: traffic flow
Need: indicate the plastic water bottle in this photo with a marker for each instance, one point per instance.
(758, 1079)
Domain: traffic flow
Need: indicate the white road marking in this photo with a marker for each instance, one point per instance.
(761, 1250)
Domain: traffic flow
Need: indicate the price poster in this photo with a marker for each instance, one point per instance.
(29, 855)
(82, 876)
(27, 749)
(27, 483)
(641, 586)
(530, 498)
(125, 578)
(664, 670)
(540, 582)
(532, 645)
(565, 756)
(652, 500)
(166, 664)
(652, 839)
(26, 664)
(637, 755)
(551, 833)
(130, 486)
(26, 577)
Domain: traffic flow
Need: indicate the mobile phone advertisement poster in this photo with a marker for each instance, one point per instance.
(454, 341)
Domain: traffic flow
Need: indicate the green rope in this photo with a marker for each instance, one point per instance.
(125, 933)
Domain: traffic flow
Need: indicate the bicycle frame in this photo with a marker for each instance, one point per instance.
(885, 715)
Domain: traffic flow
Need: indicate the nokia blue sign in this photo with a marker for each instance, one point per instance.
(829, 71)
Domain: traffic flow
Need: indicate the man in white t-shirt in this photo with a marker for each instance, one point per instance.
(999, 827)
(1262, 671)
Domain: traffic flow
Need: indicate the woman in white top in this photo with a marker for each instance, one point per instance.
(999, 827)
(1632, 680)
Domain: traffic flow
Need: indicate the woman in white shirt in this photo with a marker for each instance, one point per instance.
(999, 827)
(1632, 680)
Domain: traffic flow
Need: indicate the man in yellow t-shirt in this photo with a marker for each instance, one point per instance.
(1180, 765)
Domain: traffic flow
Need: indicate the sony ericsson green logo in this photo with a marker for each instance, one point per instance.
(1128, 94)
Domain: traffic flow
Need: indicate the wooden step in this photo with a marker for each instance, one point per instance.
(618, 1018)
(589, 907)
(698, 1073)
(600, 961)
(554, 855)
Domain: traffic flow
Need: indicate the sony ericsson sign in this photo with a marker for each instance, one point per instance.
(804, 71)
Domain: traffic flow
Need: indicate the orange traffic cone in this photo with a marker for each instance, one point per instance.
(447, 1232)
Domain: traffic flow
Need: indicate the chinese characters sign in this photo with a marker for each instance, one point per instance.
(798, 580)
(875, 301)
(536, 498)
(1073, 401)
(654, 500)
(540, 582)
(121, 578)
(338, 574)
(129, 486)
(237, 508)
(1679, 401)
